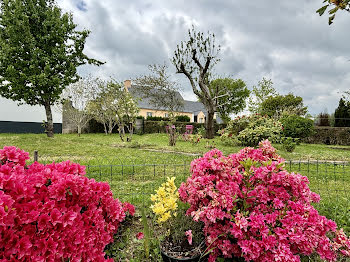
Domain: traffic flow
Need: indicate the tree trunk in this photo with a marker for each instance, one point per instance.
(79, 130)
(209, 126)
(105, 128)
(131, 132)
(121, 131)
(49, 124)
(172, 136)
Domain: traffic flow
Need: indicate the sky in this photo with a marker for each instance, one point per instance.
(282, 40)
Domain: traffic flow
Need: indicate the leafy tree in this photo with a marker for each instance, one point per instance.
(334, 6)
(40, 50)
(113, 106)
(259, 94)
(195, 59)
(163, 94)
(342, 114)
(276, 106)
(231, 95)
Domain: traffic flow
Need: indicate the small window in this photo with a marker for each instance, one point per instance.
(201, 120)
(166, 115)
(149, 113)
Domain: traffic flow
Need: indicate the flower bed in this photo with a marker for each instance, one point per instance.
(53, 212)
(253, 208)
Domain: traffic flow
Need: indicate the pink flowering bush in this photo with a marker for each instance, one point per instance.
(53, 212)
(253, 208)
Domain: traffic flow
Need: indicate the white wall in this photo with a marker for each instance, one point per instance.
(10, 111)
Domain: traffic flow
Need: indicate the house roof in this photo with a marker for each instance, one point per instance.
(188, 106)
(145, 102)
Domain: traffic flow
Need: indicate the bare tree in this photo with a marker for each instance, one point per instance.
(163, 94)
(195, 59)
(74, 100)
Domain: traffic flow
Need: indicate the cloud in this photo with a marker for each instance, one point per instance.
(284, 40)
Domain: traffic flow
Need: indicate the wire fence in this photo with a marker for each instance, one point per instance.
(135, 182)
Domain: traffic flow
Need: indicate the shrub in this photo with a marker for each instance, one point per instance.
(253, 208)
(297, 126)
(183, 119)
(157, 118)
(250, 130)
(53, 212)
(289, 144)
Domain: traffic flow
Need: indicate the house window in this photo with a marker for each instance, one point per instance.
(166, 115)
(149, 113)
(201, 120)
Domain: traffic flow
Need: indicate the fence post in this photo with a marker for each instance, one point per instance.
(36, 156)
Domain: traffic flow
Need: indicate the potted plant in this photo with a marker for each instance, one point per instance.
(182, 238)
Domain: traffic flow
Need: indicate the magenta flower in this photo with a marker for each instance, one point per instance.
(252, 207)
(140, 235)
(53, 212)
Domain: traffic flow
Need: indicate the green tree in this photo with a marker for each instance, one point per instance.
(342, 113)
(231, 95)
(114, 106)
(39, 53)
(195, 59)
(259, 94)
(277, 106)
(333, 7)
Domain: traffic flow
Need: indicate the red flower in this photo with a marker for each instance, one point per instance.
(140, 235)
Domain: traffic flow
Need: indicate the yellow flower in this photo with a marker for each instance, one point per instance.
(165, 200)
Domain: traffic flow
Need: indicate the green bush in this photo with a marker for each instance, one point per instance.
(157, 118)
(289, 144)
(250, 130)
(297, 126)
(183, 119)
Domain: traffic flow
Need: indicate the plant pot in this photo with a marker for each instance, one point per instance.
(168, 258)
(193, 255)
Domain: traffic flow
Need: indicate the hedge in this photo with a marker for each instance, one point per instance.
(330, 136)
(159, 127)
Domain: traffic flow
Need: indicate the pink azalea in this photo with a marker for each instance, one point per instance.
(53, 212)
(188, 234)
(264, 213)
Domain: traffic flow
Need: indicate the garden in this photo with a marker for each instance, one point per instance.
(148, 174)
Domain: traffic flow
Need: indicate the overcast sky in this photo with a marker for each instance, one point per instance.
(282, 40)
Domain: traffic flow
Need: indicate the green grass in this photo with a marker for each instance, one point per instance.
(93, 146)
(134, 172)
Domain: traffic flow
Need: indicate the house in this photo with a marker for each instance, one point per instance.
(194, 110)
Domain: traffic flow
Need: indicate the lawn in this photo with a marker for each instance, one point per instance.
(135, 169)
(93, 146)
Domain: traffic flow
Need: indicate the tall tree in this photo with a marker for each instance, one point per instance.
(40, 50)
(342, 114)
(195, 59)
(163, 94)
(334, 6)
(231, 95)
(260, 93)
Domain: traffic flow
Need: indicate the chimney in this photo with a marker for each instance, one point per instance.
(127, 84)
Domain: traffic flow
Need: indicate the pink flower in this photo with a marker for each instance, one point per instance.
(188, 234)
(140, 235)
